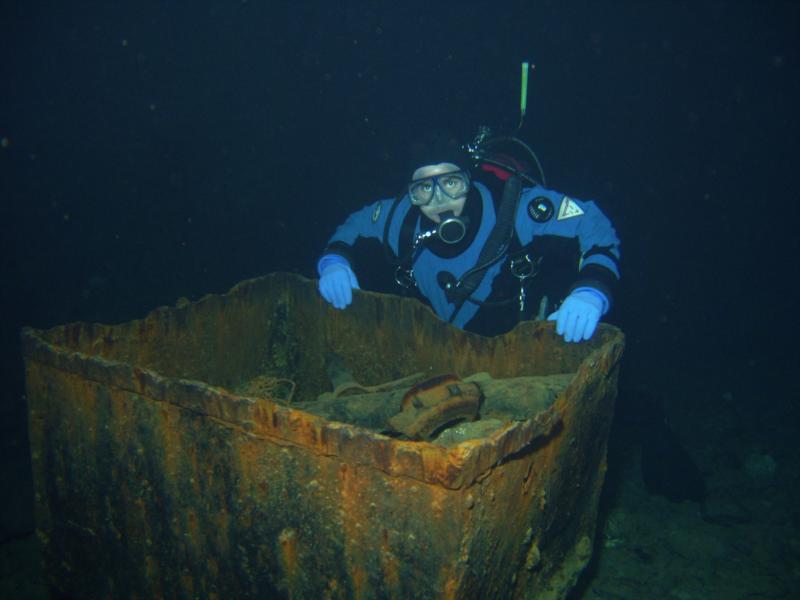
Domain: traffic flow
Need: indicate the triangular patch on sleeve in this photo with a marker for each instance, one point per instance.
(568, 209)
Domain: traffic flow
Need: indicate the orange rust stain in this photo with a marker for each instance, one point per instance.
(192, 529)
(254, 460)
(172, 440)
(333, 590)
(450, 590)
(359, 579)
(440, 501)
(289, 559)
(390, 566)
(437, 463)
(353, 502)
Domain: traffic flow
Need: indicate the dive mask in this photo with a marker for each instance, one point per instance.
(443, 188)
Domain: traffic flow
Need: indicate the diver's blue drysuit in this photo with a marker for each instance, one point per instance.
(549, 229)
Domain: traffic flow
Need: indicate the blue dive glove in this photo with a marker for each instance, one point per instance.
(577, 317)
(336, 280)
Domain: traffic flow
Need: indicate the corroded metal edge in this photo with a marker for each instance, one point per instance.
(451, 467)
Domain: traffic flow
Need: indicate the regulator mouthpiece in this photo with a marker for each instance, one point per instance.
(452, 229)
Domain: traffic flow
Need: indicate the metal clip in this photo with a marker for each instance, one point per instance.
(524, 268)
(404, 277)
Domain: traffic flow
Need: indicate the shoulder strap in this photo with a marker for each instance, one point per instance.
(405, 244)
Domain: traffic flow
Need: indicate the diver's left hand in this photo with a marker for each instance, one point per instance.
(577, 317)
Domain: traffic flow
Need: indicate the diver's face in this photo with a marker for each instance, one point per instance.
(441, 202)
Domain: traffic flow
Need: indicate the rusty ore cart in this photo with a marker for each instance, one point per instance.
(155, 478)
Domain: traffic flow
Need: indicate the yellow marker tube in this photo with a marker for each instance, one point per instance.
(523, 92)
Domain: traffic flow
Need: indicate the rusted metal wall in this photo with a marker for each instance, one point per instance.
(153, 480)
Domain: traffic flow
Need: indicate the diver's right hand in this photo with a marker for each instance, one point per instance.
(336, 280)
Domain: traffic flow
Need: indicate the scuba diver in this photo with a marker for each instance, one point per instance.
(479, 238)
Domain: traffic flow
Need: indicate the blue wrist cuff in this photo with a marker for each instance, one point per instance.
(600, 296)
(331, 259)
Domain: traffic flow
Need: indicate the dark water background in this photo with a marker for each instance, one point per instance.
(153, 150)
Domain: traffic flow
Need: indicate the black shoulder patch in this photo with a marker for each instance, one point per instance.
(540, 209)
